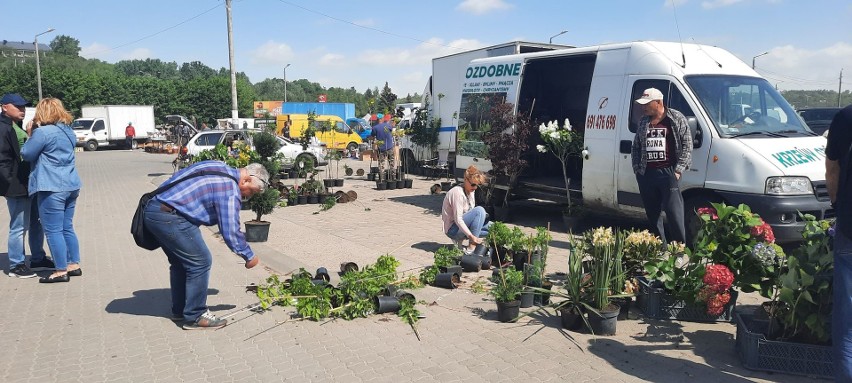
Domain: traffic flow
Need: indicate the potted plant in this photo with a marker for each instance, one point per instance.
(564, 142)
(500, 238)
(603, 244)
(257, 230)
(507, 289)
(507, 142)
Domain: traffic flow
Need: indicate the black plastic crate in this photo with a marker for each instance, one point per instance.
(758, 353)
(656, 303)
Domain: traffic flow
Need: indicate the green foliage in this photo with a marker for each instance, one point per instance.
(266, 144)
(264, 203)
(639, 248)
(359, 287)
(329, 203)
(408, 311)
(500, 235)
(804, 290)
(65, 45)
(604, 247)
(428, 274)
(447, 256)
(508, 285)
(422, 132)
(678, 276)
(387, 100)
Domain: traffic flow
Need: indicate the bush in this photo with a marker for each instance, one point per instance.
(263, 203)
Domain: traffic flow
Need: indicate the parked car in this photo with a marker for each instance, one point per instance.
(818, 119)
(208, 139)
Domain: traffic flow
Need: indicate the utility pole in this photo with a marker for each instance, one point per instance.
(839, 87)
(234, 111)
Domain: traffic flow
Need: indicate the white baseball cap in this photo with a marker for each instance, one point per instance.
(649, 95)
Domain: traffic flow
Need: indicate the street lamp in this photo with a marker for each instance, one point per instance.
(38, 65)
(285, 83)
(752, 59)
(558, 34)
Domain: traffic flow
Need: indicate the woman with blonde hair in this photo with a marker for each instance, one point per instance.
(462, 218)
(56, 184)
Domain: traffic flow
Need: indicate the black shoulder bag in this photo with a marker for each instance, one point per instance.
(141, 235)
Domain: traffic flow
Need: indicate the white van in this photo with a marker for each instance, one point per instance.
(769, 161)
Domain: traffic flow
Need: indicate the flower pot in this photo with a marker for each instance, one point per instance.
(403, 295)
(374, 169)
(482, 250)
(572, 318)
(285, 176)
(605, 321)
(471, 263)
(391, 185)
(508, 311)
(371, 177)
(409, 183)
(313, 199)
(322, 273)
(454, 269)
(485, 262)
(624, 305)
(257, 231)
(571, 223)
(445, 186)
(303, 199)
(386, 304)
(543, 299)
(499, 257)
(293, 201)
(400, 184)
(292, 174)
(346, 267)
(446, 280)
(381, 185)
(328, 183)
(338, 182)
(527, 298)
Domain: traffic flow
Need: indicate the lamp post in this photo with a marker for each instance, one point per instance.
(752, 59)
(558, 34)
(38, 64)
(285, 83)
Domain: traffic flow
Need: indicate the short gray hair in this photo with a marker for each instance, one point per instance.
(259, 176)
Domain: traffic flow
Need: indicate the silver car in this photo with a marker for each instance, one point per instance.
(296, 156)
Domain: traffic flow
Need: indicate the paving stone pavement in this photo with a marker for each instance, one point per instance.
(112, 323)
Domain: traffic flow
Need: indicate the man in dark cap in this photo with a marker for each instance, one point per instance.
(14, 176)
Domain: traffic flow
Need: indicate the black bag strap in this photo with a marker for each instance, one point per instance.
(193, 175)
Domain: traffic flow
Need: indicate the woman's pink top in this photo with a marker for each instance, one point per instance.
(455, 205)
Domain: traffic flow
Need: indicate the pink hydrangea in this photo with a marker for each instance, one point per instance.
(763, 232)
(708, 211)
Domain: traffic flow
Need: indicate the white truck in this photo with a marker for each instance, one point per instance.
(768, 159)
(442, 94)
(104, 125)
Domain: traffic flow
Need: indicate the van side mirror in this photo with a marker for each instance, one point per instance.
(695, 131)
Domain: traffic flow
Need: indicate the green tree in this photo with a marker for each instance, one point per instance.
(387, 100)
(65, 45)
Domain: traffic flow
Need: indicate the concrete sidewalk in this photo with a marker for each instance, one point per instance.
(112, 323)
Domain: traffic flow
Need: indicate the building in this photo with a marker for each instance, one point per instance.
(21, 51)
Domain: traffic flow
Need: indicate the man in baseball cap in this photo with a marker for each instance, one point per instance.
(661, 152)
(14, 176)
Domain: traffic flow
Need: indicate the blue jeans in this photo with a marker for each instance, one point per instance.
(23, 218)
(56, 210)
(475, 221)
(190, 260)
(841, 326)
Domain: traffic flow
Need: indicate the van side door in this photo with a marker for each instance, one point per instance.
(676, 98)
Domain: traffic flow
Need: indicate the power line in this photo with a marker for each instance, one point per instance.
(796, 79)
(156, 33)
(368, 28)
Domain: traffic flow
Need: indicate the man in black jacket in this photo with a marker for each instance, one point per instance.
(14, 176)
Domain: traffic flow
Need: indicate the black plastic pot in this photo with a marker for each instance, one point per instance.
(572, 318)
(605, 322)
(403, 295)
(445, 186)
(313, 199)
(346, 267)
(381, 185)
(371, 177)
(624, 307)
(391, 185)
(386, 304)
(409, 183)
(293, 201)
(471, 263)
(496, 273)
(374, 169)
(322, 273)
(400, 184)
(508, 311)
(257, 231)
(454, 269)
(485, 262)
(328, 183)
(527, 298)
(338, 182)
(303, 199)
(446, 280)
(543, 299)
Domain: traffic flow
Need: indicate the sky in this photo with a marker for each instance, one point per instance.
(365, 43)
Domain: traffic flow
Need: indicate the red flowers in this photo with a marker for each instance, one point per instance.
(763, 232)
(708, 211)
(717, 280)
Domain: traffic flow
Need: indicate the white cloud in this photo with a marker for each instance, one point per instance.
(138, 54)
(793, 67)
(94, 50)
(422, 53)
(272, 53)
(332, 59)
(479, 7)
(719, 3)
(677, 3)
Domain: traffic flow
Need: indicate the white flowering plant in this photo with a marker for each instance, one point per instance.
(564, 142)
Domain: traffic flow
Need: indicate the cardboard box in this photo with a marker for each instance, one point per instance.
(366, 155)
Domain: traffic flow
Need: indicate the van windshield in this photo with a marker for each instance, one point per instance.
(740, 106)
(81, 124)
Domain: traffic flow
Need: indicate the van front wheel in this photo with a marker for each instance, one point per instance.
(351, 148)
(91, 146)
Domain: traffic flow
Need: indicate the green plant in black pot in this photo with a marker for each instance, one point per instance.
(508, 285)
(500, 237)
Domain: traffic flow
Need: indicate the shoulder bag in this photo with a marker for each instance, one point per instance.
(141, 235)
